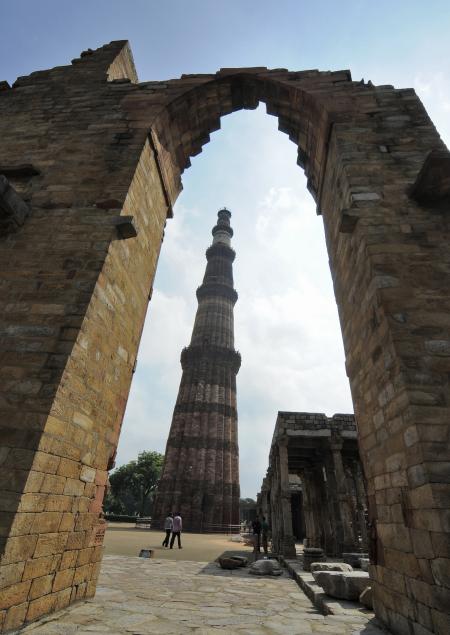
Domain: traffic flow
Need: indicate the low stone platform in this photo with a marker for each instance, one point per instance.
(147, 597)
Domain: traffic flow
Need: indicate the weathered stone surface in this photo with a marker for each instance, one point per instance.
(266, 567)
(330, 566)
(342, 585)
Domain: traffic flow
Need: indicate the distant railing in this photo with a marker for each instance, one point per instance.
(205, 528)
(211, 528)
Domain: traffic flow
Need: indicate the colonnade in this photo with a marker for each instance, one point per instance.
(323, 452)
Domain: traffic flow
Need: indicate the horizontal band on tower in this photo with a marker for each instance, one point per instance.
(209, 354)
(222, 250)
(191, 407)
(200, 443)
(217, 289)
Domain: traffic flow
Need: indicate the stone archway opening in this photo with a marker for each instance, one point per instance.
(77, 267)
(278, 285)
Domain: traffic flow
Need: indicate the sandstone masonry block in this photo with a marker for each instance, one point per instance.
(50, 544)
(41, 586)
(15, 616)
(73, 487)
(41, 606)
(19, 548)
(63, 579)
(38, 567)
(68, 468)
(11, 573)
(46, 522)
(14, 594)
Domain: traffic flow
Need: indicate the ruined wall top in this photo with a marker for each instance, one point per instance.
(313, 423)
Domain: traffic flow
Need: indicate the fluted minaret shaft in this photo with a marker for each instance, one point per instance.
(200, 476)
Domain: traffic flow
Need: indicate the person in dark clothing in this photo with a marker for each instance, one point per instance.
(176, 530)
(168, 524)
(256, 526)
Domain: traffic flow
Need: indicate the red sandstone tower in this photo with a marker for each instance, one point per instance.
(200, 476)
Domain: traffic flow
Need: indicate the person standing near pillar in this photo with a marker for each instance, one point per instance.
(265, 535)
(176, 530)
(168, 525)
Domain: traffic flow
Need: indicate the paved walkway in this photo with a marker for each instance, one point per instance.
(146, 597)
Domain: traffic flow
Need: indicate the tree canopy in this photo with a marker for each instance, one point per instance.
(132, 485)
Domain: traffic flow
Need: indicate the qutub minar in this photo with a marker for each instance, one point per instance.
(200, 477)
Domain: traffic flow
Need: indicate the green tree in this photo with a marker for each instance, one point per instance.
(133, 484)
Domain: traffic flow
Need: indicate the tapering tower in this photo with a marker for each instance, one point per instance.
(200, 476)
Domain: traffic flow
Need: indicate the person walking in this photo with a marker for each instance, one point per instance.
(176, 530)
(168, 524)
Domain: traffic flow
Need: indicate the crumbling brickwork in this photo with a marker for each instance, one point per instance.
(86, 146)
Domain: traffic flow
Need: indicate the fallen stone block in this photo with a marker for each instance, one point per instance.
(266, 567)
(232, 562)
(366, 598)
(344, 585)
(330, 566)
(353, 558)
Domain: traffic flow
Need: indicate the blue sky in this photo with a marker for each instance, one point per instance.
(286, 320)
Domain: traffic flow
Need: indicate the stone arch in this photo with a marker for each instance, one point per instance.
(379, 174)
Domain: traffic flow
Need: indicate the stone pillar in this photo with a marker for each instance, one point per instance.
(326, 533)
(313, 508)
(288, 541)
(342, 493)
(360, 502)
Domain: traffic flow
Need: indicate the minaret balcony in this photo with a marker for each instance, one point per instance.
(222, 250)
(211, 355)
(215, 289)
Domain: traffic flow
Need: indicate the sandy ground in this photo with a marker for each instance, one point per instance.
(123, 539)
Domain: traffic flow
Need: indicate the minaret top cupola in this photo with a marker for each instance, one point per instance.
(222, 232)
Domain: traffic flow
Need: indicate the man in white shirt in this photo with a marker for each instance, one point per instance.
(168, 524)
(176, 530)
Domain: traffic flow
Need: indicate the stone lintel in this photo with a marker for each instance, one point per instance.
(309, 433)
(348, 434)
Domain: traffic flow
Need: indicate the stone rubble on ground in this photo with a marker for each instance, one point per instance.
(345, 585)
(330, 566)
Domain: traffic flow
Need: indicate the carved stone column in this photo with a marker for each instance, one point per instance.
(321, 507)
(348, 542)
(360, 502)
(288, 541)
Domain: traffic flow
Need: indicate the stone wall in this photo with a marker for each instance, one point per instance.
(74, 297)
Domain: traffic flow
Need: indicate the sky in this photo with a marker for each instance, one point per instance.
(286, 323)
